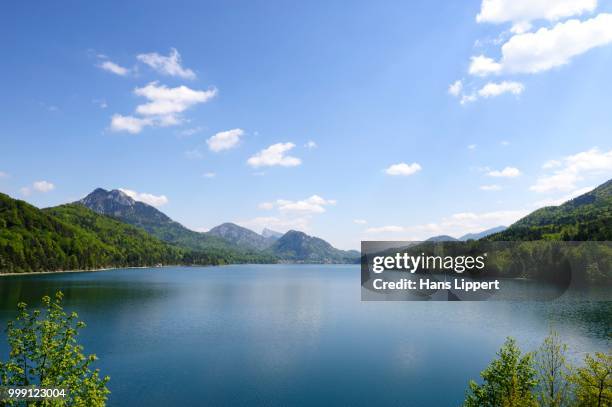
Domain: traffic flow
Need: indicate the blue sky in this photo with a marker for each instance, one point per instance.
(369, 120)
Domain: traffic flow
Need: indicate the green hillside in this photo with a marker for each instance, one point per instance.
(70, 237)
(587, 217)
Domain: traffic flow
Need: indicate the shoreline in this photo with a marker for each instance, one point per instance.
(29, 273)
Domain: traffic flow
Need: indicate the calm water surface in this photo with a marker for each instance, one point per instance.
(291, 335)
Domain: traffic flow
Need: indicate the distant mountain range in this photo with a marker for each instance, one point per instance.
(468, 236)
(227, 238)
(110, 229)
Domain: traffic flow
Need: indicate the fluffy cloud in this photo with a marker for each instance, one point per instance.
(167, 65)
(525, 11)
(403, 169)
(38, 186)
(163, 109)
(274, 155)
(310, 145)
(492, 89)
(455, 88)
(483, 66)
(312, 205)
(547, 48)
(112, 67)
(153, 200)
(225, 140)
(573, 169)
(492, 187)
(166, 101)
(508, 172)
(360, 221)
(209, 175)
(130, 124)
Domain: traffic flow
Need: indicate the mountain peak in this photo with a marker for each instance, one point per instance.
(100, 198)
(240, 236)
(269, 233)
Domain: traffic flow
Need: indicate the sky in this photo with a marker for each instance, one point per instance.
(350, 121)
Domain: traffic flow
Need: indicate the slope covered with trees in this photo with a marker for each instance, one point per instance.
(587, 217)
(71, 237)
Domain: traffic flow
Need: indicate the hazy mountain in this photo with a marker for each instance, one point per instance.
(271, 233)
(441, 238)
(299, 247)
(241, 237)
(120, 206)
(587, 217)
(484, 233)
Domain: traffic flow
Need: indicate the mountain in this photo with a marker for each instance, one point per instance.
(484, 233)
(120, 206)
(241, 237)
(587, 217)
(71, 237)
(441, 238)
(299, 247)
(271, 233)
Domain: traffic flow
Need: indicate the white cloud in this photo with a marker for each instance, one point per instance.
(492, 187)
(166, 101)
(360, 221)
(43, 186)
(493, 89)
(504, 143)
(130, 124)
(153, 200)
(312, 205)
(508, 172)
(525, 11)
(38, 186)
(163, 109)
(310, 145)
(455, 88)
(112, 67)
(225, 140)
(167, 65)
(274, 155)
(573, 169)
(483, 66)
(403, 169)
(547, 48)
(209, 175)
(3, 174)
(472, 147)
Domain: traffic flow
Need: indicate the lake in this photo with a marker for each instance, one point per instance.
(251, 335)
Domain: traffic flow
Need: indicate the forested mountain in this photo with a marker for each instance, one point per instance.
(299, 247)
(441, 238)
(587, 217)
(72, 237)
(240, 236)
(120, 206)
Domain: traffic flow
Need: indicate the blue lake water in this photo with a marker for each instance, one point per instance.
(253, 335)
